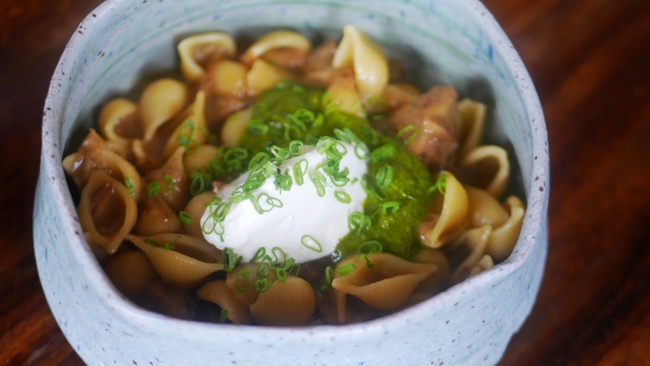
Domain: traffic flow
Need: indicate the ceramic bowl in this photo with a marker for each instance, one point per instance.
(455, 42)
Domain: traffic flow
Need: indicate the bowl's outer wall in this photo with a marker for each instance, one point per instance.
(122, 41)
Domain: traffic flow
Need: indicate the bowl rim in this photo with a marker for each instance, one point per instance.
(51, 157)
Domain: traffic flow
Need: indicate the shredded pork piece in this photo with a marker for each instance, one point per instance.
(436, 118)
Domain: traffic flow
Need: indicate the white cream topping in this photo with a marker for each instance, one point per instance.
(304, 224)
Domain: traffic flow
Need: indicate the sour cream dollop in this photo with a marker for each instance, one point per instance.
(307, 221)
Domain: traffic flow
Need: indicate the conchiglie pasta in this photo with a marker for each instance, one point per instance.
(200, 158)
(449, 217)
(381, 280)
(131, 272)
(174, 267)
(194, 209)
(367, 60)
(192, 131)
(484, 209)
(487, 167)
(94, 155)
(197, 51)
(262, 76)
(219, 293)
(115, 115)
(235, 126)
(107, 211)
(229, 79)
(156, 217)
(291, 302)
(276, 40)
(504, 237)
(472, 116)
(161, 101)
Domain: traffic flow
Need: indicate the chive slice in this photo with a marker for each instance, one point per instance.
(154, 189)
(230, 259)
(186, 136)
(342, 196)
(408, 133)
(384, 176)
(128, 182)
(310, 243)
(343, 270)
(259, 254)
(318, 180)
(439, 186)
(223, 316)
(299, 171)
(390, 207)
(262, 284)
(185, 218)
(171, 185)
(370, 246)
(358, 221)
(242, 280)
(385, 151)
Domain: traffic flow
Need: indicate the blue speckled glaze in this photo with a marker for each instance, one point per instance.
(123, 41)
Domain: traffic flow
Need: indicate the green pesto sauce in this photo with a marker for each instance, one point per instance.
(288, 112)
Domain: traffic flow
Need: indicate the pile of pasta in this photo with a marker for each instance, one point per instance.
(141, 178)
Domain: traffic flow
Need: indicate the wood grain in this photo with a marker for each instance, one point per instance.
(590, 61)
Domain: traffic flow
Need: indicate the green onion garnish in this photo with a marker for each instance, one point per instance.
(185, 218)
(230, 259)
(440, 185)
(310, 243)
(128, 182)
(370, 246)
(408, 133)
(342, 196)
(343, 270)
(358, 221)
(154, 189)
(390, 207)
(299, 170)
(384, 176)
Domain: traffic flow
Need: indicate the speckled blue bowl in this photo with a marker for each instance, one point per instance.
(459, 43)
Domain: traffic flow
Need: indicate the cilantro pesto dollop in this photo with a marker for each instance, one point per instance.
(396, 182)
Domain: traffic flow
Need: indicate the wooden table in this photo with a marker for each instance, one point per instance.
(590, 61)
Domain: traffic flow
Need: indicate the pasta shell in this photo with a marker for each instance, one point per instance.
(173, 182)
(440, 277)
(385, 286)
(472, 116)
(195, 209)
(191, 246)
(159, 102)
(229, 79)
(483, 209)
(343, 96)
(449, 216)
(276, 40)
(155, 217)
(291, 302)
(107, 211)
(199, 159)
(471, 249)
(174, 267)
(240, 282)
(130, 272)
(487, 167)
(218, 293)
(234, 127)
(192, 131)
(366, 58)
(115, 113)
(263, 75)
(197, 51)
(94, 155)
(504, 237)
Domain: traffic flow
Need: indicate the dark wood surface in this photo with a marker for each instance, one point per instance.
(590, 61)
